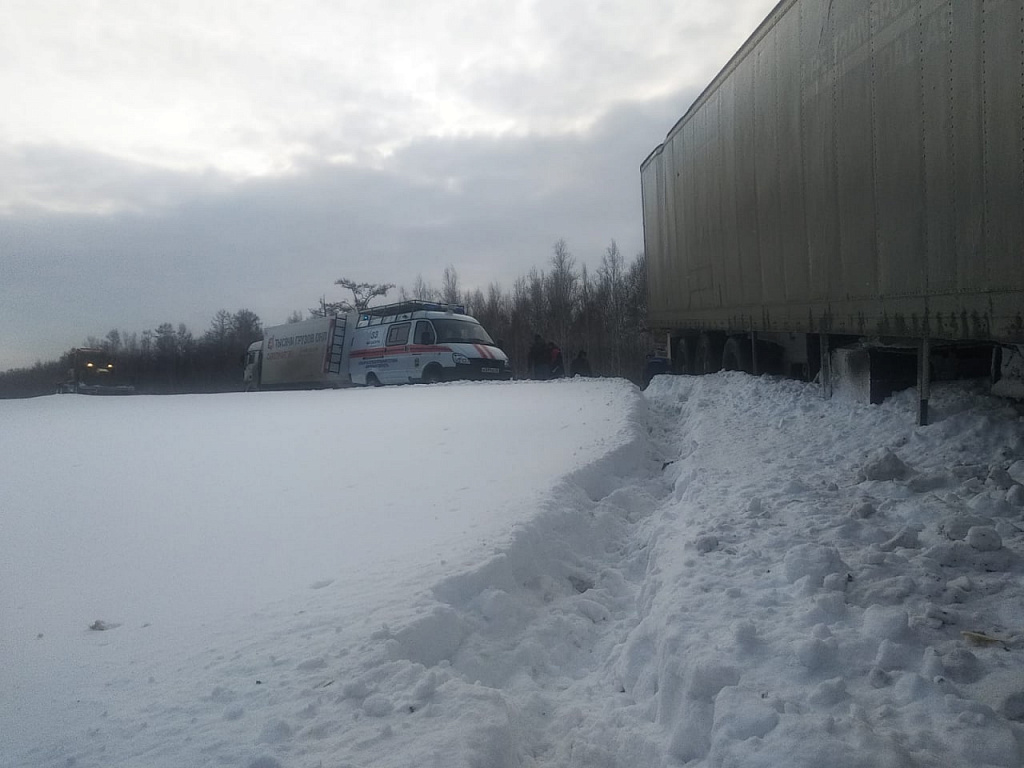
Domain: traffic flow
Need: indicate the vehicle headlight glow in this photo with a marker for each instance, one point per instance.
(460, 359)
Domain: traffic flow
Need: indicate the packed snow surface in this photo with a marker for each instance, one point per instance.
(719, 571)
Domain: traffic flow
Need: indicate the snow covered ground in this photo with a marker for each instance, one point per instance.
(720, 571)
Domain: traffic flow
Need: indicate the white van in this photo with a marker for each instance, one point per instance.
(422, 341)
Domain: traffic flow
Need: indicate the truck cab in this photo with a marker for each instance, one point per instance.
(253, 364)
(94, 372)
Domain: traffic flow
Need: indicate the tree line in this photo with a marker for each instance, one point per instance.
(602, 312)
(166, 360)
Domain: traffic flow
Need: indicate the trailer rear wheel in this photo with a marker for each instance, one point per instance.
(736, 355)
(682, 356)
(708, 355)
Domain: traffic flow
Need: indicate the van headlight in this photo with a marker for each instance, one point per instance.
(459, 359)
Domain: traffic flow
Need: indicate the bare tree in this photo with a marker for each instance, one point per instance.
(450, 293)
(537, 301)
(475, 302)
(423, 290)
(362, 293)
(218, 335)
(246, 328)
(612, 296)
(561, 285)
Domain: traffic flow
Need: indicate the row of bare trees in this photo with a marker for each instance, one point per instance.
(168, 359)
(600, 311)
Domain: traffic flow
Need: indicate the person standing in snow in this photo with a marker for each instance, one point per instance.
(538, 360)
(580, 365)
(557, 365)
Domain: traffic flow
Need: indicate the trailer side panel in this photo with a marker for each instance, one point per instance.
(856, 168)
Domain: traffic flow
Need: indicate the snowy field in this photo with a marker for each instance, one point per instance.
(720, 571)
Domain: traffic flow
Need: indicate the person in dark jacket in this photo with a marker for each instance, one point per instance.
(580, 365)
(538, 360)
(557, 364)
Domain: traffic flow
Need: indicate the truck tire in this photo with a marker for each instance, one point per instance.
(372, 380)
(432, 374)
(707, 356)
(736, 355)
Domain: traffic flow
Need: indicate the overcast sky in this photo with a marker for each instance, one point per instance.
(161, 161)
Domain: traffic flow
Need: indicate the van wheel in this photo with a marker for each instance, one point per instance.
(372, 380)
(431, 374)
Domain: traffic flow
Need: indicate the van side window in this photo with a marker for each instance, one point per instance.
(424, 333)
(398, 334)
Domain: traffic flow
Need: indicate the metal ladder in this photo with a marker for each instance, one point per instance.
(336, 357)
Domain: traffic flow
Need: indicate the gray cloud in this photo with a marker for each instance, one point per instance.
(166, 163)
(492, 207)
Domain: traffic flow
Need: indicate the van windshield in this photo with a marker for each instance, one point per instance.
(461, 332)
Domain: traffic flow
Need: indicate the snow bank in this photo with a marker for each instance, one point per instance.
(862, 605)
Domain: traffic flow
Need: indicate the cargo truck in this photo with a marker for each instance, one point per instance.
(413, 341)
(310, 354)
(845, 200)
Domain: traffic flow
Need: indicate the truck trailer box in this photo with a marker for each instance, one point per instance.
(311, 353)
(856, 168)
(853, 178)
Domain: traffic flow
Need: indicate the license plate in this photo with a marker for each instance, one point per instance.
(488, 370)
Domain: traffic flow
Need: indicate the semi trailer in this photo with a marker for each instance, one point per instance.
(845, 200)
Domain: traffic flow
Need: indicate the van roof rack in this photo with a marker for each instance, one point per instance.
(413, 305)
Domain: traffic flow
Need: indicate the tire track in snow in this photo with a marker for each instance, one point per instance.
(540, 622)
(544, 626)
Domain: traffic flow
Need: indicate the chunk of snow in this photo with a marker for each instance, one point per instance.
(811, 560)
(884, 465)
(984, 539)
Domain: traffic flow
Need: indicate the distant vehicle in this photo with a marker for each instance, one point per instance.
(94, 372)
(409, 342)
(310, 354)
(849, 183)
